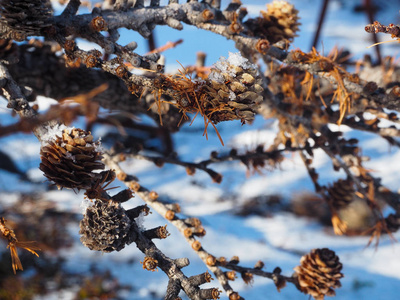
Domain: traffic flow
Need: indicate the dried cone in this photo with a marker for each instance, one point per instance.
(341, 193)
(319, 273)
(106, 227)
(69, 160)
(234, 90)
(25, 18)
(279, 22)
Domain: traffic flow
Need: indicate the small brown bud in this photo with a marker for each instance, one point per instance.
(234, 260)
(259, 265)
(122, 176)
(247, 277)
(211, 260)
(262, 46)
(222, 261)
(230, 275)
(234, 296)
(199, 231)
(216, 177)
(121, 72)
(134, 186)
(91, 61)
(214, 155)
(207, 15)
(279, 281)
(235, 28)
(169, 215)
(153, 196)
(150, 264)
(190, 170)
(69, 45)
(159, 162)
(196, 245)
(207, 277)
(395, 92)
(35, 107)
(188, 232)
(98, 24)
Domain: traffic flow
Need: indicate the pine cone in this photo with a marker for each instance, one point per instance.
(279, 22)
(69, 161)
(106, 227)
(25, 18)
(341, 193)
(233, 90)
(319, 273)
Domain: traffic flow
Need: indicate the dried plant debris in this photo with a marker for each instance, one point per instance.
(106, 227)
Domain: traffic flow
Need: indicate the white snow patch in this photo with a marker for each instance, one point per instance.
(44, 103)
(224, 65)
(50, 133)
(216, 76)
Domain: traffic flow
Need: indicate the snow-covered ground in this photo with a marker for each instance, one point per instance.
(278, 240)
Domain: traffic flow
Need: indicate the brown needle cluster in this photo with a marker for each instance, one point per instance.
(13, 243)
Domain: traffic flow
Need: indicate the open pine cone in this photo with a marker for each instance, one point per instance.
(234, 91)
(341, 193)
(25, 18)
(279, 22)
(319, 273)
(69, 160)
(106, 227)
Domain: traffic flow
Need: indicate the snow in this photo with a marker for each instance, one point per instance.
(50, 133)
(226, 66)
